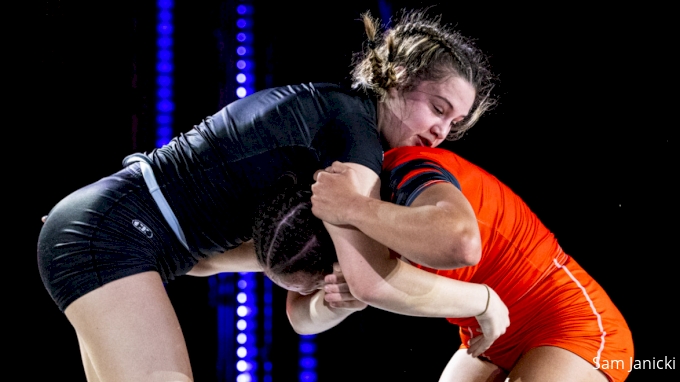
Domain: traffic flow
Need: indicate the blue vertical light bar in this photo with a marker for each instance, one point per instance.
(307, 357)
(253, 363)
(222, 292)
(268, 337)
(246, 353)
(245, 62)
(246, 328)
(164, 72)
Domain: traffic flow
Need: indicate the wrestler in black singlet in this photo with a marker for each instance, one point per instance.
(212, 177)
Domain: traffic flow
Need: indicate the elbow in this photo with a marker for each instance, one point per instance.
(465, 246)
(302, 329)
(463, 249)
(469, 250)
(202, 270)
(299, 325)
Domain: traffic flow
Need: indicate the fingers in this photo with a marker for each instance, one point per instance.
(353, 305)
(478, 345)
(44, 218)
(336, 277)
(336, 288)
(335, 168)
(338, 296)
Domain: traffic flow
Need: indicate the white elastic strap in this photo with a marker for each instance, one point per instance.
(161, 202)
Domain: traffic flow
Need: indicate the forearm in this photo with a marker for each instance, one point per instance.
(387, 283)
(311, 314)
(411, 291)
(431, 235)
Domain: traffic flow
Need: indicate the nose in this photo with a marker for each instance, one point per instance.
(440, 131)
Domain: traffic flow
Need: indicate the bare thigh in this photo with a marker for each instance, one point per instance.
(128, 331)
(90, 373)
(550, 363)
(464, 368)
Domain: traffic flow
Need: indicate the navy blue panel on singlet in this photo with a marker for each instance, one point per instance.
(213, 175)
(405, 182)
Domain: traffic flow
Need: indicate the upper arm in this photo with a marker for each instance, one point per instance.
(239, 259)
(445, 232)
(449, 198)
(368, 180)
(451, 212)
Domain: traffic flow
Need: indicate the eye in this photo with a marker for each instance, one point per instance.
(438, 110)
(457, 122)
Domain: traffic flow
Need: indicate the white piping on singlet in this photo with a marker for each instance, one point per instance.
(161, 202)
(592, 306)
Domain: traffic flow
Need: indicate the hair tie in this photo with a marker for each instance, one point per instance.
(488, 298)
(371, 44)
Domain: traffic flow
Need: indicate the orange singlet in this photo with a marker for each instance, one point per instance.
(551, 299)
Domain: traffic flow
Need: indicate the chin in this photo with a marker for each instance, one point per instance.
(415, 142)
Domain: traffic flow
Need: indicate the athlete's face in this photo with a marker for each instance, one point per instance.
(423, 116)
(300, 282)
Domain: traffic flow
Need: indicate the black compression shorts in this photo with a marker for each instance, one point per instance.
(106, 231)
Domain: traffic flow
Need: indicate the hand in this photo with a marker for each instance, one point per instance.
(43, 219)
(493, 324)
(336, 188)
(337, 293)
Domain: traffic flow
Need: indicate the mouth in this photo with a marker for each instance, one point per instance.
(424, 142)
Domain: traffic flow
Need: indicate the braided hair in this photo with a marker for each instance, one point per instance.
(288, 238)
(419, 48)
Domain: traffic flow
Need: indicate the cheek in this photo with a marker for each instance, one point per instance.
(421, 122)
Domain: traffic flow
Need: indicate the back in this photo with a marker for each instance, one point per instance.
(214, 174)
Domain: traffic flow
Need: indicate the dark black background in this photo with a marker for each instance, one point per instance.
(582, 133)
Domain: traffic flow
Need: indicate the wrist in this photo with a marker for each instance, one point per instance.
(354, 209)
(488, 299)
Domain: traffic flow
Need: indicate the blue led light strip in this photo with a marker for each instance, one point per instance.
(246, 328)
(245, 63)
(268, 324)
(164, 72)
(307, 354)
(222, 292)
(247, 351)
